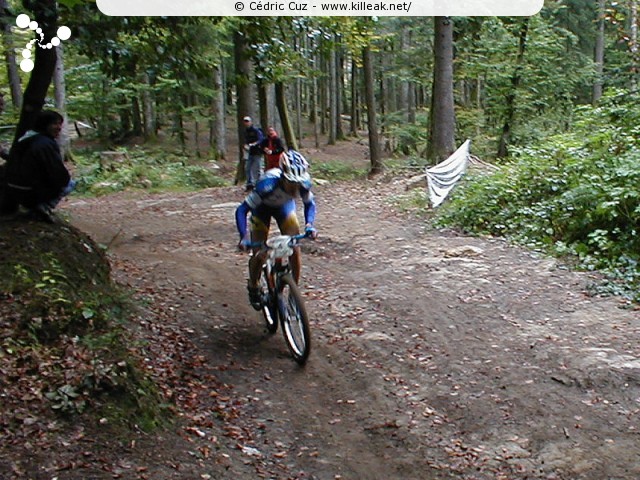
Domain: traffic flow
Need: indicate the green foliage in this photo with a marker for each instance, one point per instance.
(146, 169)
(52, 303)
(337, 170)
(553, 73)
(116, 60)
(408, 138)
(574, 193)
(65, 399)
(415, 201)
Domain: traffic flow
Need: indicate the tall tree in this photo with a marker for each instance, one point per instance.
(599, 53)
(46, 14)
(60, 95)
(375, 154)
(443, 123)
(283, 110)
(633, 42)
(243, 83)
(149, 112)
(10, 56)
(515, 83)
(333, 95)
(218, 134)
(354, 123)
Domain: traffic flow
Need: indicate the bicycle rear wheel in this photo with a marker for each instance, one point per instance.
(269, 303)
(295, 322)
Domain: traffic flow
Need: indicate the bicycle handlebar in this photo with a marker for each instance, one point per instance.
(293, 239)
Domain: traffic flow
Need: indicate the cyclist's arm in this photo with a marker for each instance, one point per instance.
(241, 219)
(309, 207)
(251, 202)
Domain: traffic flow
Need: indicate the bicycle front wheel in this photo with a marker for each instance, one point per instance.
(295, 322)
(269, 306)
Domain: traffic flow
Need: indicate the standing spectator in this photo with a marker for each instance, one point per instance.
(253, 137)
(36, 175)
(272, 148)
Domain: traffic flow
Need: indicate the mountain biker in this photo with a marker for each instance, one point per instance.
(274, 197)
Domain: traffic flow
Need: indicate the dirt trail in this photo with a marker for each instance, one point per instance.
(434, 355)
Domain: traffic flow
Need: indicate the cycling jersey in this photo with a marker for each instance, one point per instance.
(268, 199)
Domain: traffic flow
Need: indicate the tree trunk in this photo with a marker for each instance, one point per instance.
(391, 83)
(411, 103)
(372, 123)
(243, 91)
(354, 123)
(103, 119)
(137, 126)
(297, 98)
(218, 137)
(281, 102)
(148, 109)
(442, 127)
(339, 94)
(10, 57)
(333, 97)
(314, 111)
(263, 103)
(503, 150)
(60, 95)
(274, 117)
(633, 42)
(298, 106)
(323, 93)
(46, 14)
(405, 44)
(599, 53)
(408, 85)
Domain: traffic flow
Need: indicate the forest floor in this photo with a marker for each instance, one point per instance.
(435, 355)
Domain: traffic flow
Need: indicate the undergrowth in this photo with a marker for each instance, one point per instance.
(156, 170)
(574, 194)
(337, 171)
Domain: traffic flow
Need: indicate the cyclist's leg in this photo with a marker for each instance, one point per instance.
(260, 221)
(288, 225)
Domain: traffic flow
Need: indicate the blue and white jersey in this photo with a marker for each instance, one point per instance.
(269, 192)
(269, 198)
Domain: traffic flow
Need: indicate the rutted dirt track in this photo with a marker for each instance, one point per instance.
(434, 355)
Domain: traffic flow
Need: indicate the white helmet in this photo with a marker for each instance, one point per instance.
(295, 167)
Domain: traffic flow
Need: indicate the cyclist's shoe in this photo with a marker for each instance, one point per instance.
(255, 297)
(43, 213)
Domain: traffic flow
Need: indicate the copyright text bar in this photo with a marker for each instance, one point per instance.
(302, 8)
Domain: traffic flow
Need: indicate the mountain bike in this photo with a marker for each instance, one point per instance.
(281, 297)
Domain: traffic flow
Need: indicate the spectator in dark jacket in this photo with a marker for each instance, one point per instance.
(253, 153)
(272, 148)
(36, 175)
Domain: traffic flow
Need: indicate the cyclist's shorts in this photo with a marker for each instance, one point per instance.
(285, 216)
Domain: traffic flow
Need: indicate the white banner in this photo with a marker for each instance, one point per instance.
(442, 177)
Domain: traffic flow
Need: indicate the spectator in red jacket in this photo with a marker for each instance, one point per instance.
(272, 147)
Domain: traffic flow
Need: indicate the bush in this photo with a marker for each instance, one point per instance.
(145, 169)
(575, 194)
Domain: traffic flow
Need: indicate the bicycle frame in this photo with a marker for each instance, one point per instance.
(278, 249)
(283, 300)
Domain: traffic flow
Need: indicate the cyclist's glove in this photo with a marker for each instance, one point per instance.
(310, 232)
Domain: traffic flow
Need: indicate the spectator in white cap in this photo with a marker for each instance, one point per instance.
(253, 168)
